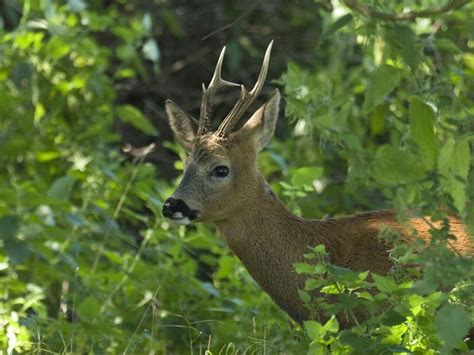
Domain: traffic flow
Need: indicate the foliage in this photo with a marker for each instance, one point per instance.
(402, 123)
(87, 263)
(391, 313)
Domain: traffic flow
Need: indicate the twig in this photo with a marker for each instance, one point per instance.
(140, 155)
(233, 23)
(370, 11)
(189, 59)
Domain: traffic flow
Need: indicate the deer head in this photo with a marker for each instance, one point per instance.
(221, 172)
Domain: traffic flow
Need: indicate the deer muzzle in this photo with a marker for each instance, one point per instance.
(178, 211)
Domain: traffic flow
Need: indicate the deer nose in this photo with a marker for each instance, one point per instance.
(177, 209)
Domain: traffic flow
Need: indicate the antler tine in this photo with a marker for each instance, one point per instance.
(246, 98)
(208, 94)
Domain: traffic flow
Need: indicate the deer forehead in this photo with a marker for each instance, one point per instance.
(211, 150)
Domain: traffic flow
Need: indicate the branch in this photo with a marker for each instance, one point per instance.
(370, 11)
(233, 23)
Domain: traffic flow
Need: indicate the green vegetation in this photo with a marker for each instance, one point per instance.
(378, 114)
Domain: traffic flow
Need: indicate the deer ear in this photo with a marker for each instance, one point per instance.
(183, 126)
(261, 126)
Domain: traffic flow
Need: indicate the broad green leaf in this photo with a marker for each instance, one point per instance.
(393, 166)
(306, 175)
(416, 303)
(357, 342)
(382, 82)
(392, 318)
(454, 158)
(311, 284)
(453, 165)
(57, 47)
(406, 43)
(88, 309)
(332, 325)
(462, 157)
(304, 296)
(132, 115)
(447, 45)
(422, 130)
(452, 324)
(456, 190)
(61, 188)
(303, 268)
(384, 283)
(226, 265)
(445, 157)
(314, 329)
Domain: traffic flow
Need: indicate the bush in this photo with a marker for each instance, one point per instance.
(88, 264)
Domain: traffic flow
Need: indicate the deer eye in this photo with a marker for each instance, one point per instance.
(221, 171)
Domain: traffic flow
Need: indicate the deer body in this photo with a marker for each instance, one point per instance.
(222, 185)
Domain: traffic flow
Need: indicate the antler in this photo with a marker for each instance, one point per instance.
(208, 95)
(246, 98)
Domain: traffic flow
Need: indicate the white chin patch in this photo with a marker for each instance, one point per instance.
(178, 218)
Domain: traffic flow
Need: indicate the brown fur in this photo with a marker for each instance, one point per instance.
(269, 239)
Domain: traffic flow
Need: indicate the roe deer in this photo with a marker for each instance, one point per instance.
(222, 184)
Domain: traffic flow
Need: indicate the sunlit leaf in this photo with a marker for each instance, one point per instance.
(306, 175)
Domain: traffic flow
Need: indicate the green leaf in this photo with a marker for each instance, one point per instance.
(311, 284)
(61, 188)
(456, 190)
(378, 118)
(306, 175)
(406, 39)
(445, 157)
(452, 324)
(226, 265)
(314, 329)
(45, 156)
(381, 83)
(89, 309)
(303, 268)
(39, 112)
(332, 325)
(447, 45)
(384, 283)
(9, 226)
(16, 249)
(304, 296)
(132, 115)
(462, 157)
(356, 342)
(453, 165)
(336, 26)
(57, 47)
(393, 166)
(422, 121)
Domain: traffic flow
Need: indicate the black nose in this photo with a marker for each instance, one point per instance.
(177, 209)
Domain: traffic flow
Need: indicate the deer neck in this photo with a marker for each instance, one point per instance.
(269, 239)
